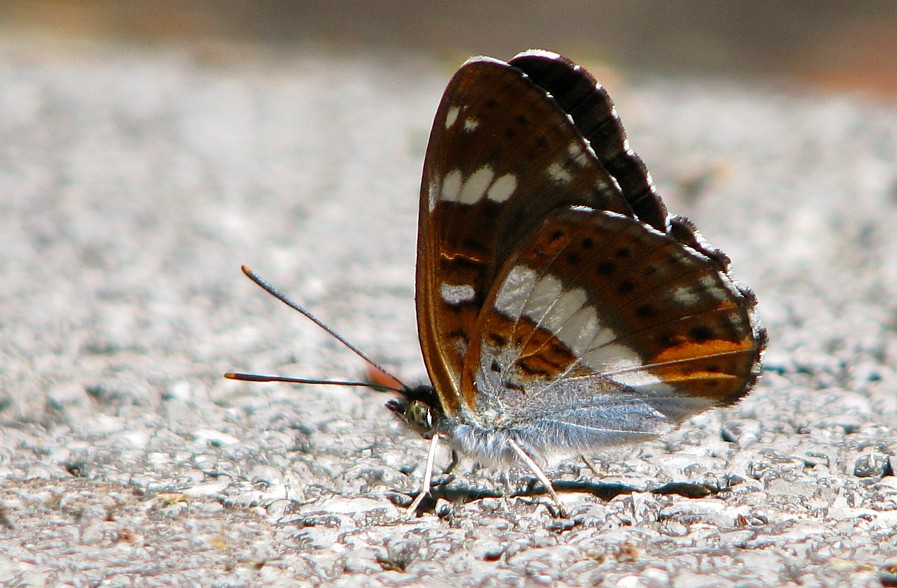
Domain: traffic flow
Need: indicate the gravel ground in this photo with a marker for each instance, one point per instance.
(134, 183)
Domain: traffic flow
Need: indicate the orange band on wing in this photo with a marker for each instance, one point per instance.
(696, 350)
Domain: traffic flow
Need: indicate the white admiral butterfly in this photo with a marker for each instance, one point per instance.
(560, 309)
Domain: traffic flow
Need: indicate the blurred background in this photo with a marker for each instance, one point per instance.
(842, 46)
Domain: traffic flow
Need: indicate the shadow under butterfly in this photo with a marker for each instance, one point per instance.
(560, 308)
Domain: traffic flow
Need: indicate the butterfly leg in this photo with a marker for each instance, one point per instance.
(507, 491)
(428, 476)
(447, 477)
(451, 466)
(534, 467)
(590, 464)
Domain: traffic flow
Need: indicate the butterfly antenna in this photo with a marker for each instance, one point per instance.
(270, 289)
(244, 377)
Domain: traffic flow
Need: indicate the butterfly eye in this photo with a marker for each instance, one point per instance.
(420, 417)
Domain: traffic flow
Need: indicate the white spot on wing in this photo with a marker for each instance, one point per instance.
(601, 338)
(546, 291)
(451, 186)
(565, 306)
(557, 173)
(710, 285)
(681, 258)
(451, 116)
(455, 294)
(736, 322)
(577, 155)
(579, 331)
(684, 295)
(475, 186)
(601, 185)
(502, 188)
(622, 365)
(611, 358)
(471, 124)
(642, 379)
(514, 290)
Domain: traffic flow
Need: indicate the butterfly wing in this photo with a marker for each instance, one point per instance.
(593, 112)
(601, 329)
(502, 154)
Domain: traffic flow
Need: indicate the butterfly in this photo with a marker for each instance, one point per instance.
(560, 308)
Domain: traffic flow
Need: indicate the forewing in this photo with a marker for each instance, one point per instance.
(601, 328)
(592, 110)
(502, 154)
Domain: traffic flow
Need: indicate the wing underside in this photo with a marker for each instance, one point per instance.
(501, 155)
(554, 294)
(600, 329)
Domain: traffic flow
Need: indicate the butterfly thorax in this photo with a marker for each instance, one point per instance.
(420, 410)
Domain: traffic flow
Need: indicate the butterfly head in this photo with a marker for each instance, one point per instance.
(419, 408)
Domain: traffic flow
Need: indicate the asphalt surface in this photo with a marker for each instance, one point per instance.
(135, 181)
